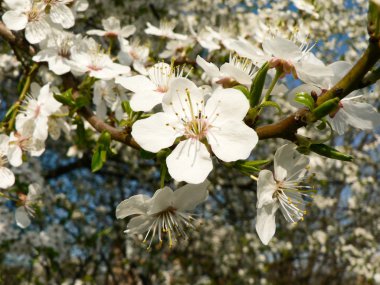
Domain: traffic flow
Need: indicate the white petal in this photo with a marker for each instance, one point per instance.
(289, 164)
(266, 222)
(340, 122)
(145, 100)
(36, 31)
(14, 20)
(282, 48)
(236, 73)
(266, 186)
(176, 99)
(111, 24)
(155, 132)
(232, 140)
(187, 197)
(246, 49)
(19, 5)
(7, 178)
(211, 69)
(312, 73)
(190, 161)
(139, 225)
(161, 200)
(58, 65)
(34, 192)
(15, 155)
(99, 33)
(360, 115)
(136, 83)
(226, 104)
(135, 205)
(22, 218)
(61, 14)
(127, 31)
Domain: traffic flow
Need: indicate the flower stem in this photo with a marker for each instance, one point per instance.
(24, 91)
(277, 76)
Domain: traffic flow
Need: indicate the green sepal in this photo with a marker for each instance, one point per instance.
(305, 99)
(325, 108)
(243, 89)
(250, 167)
(258, 85)
(271, 104)
(65, 98)
(146, 154)
(330, 152)
(127, 108)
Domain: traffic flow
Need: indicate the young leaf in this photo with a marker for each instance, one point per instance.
(305, 99)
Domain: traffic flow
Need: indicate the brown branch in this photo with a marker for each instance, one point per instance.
(16, 42)
(353, 80)
(123, 136)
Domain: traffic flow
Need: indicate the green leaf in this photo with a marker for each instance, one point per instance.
(82, 101)
(258, 85)
(97, 160)
(271, 104)
(305, 99)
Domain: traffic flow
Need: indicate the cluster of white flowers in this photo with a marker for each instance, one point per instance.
(187, 123)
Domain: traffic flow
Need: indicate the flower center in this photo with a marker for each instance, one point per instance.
(171, 222)
(196, 128)
(293, 199)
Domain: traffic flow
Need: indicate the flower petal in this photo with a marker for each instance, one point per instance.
(22, 218)
(136, 83)
(232, 140)
(135, 205)
(176, 100)
(266, 222)
(190, 161)
(145, 101)
(266, 186)
(211, 69)
(237, 74)
(156, 132)
(61, 14)
(14, 20)
(187, 197)
(7, 178)
(226, 104)
(282, 48)
(161, 200)
(289, 164)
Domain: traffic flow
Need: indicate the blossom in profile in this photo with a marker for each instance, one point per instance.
(149, 91)
(165, 30)
(282, 190)
(217, 123)
(26, 210)
(285, 55)
(135, 54)
(167, 213)
(7, 178)
(88, 58)
(238, 70)
(112, 28)
(33, 118)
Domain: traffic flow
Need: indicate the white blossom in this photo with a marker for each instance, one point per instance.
(166, 213)
(187, 115)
